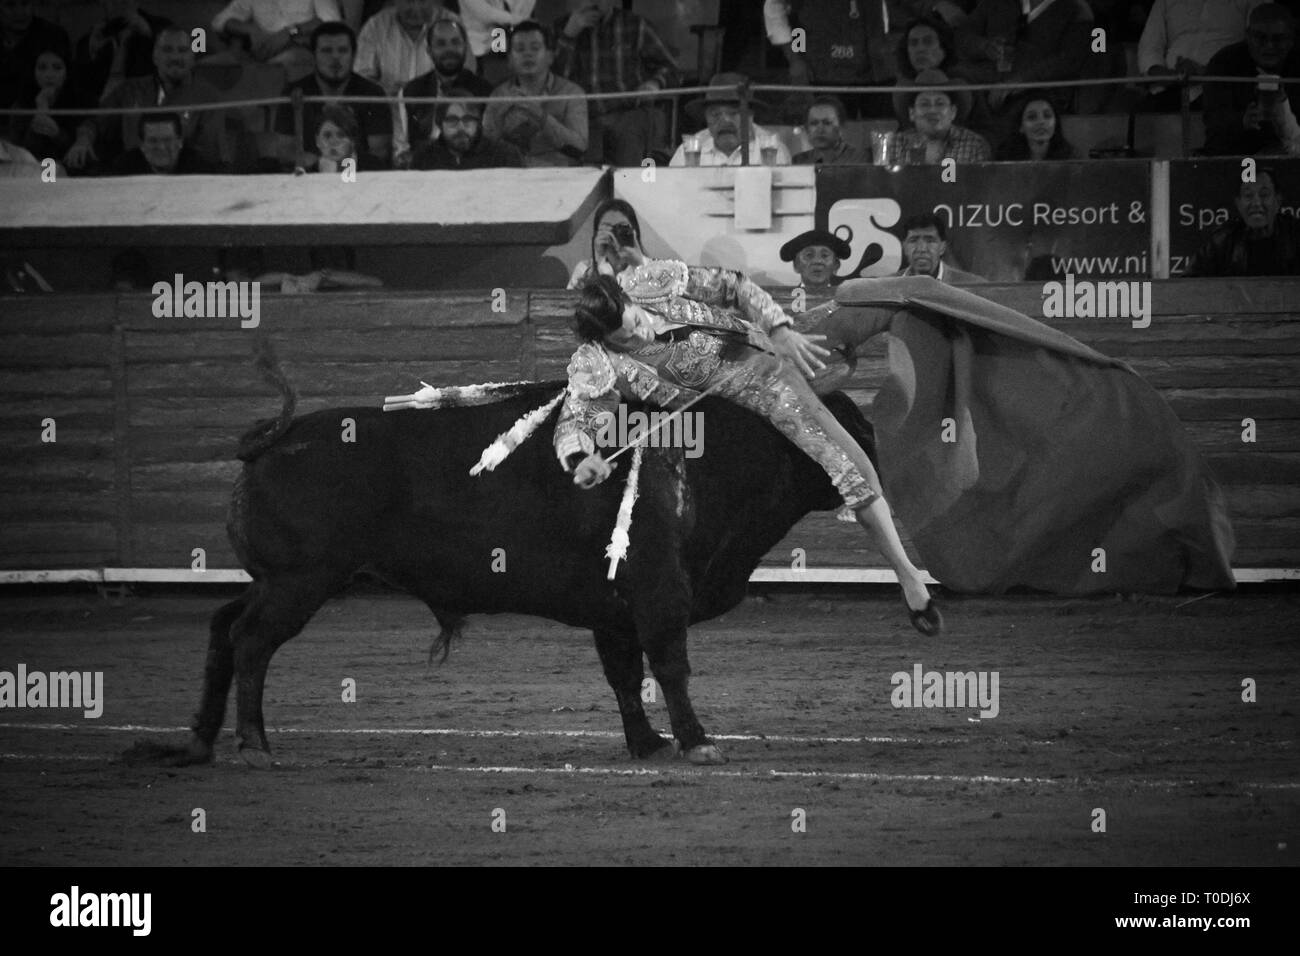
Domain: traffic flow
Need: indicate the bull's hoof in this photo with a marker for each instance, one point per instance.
(257, 759)
(705, 755)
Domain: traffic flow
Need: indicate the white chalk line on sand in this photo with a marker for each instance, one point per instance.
(455, 732)
(697, 773)
(574, 734)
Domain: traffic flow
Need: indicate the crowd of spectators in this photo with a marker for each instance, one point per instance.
(134, 59)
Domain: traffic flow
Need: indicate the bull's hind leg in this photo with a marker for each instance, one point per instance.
(218, 671)
(281, 607)
(620, 656)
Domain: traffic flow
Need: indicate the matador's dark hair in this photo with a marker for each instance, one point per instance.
(600, 310)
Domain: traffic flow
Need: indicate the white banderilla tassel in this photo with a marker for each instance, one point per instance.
(507, 442)
(619, 540)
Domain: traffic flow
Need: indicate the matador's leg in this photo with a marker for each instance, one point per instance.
(787, 400)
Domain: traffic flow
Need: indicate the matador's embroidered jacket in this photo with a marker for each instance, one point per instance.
(665, 367)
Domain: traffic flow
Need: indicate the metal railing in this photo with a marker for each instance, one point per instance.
(744, 93)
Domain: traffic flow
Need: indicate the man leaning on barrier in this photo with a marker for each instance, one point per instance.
(162, 150)
(1260, 240)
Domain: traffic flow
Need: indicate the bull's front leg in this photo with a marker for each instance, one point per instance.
(620, 656)
(662, 615)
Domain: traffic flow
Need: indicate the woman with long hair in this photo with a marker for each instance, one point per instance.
(659, 330)
(51, 86)
(1038, 133)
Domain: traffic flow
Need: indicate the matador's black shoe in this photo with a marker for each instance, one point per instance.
(928, 620)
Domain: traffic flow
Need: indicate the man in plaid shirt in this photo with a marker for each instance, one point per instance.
(608, 50)
(936, 136)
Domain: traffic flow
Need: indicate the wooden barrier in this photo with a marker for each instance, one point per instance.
(147, 411)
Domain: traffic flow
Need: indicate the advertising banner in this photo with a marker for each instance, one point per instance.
(1006, 221)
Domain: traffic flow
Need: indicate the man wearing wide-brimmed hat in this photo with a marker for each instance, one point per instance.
(936, 135)
(720, 143)
(816, 255)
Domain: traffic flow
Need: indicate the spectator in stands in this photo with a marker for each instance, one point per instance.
(119, 46)
(816, 255)
(926, 43)
(22, 37)
(1038, 134)
(999, 43)
(173, 86)
(936, 135)
(925, 240)
(824, 123)
(162, 150)
(548, 133)
(413, 123)
(609, 50)
(278, 31)
(461, 143)
(50, 87)
(613, 225)
(1259, 241)
(844, 44)
(720, 143)
(481, 18)
(394, 46)
(334, 47)
(336, 135)
(1241, 118)
(1181, 36)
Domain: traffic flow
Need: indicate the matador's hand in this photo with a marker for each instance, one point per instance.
(800, 349)
(591, 471)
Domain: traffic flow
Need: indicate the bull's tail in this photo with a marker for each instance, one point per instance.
(268, 431)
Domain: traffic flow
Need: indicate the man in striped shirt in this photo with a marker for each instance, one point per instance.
(609, 50)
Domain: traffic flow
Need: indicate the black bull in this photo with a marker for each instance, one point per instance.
(311, 509)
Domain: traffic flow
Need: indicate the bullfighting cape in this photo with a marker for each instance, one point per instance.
(1052, 450)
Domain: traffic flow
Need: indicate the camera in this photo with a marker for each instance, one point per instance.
(623, 234)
